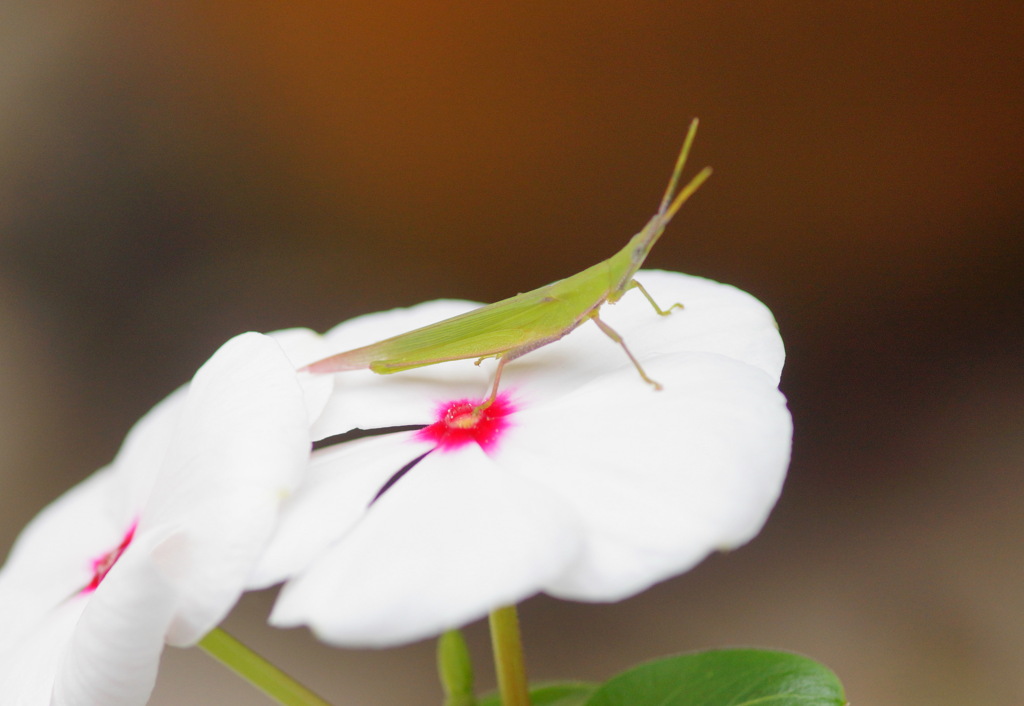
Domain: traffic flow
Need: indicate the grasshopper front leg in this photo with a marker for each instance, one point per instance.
(507, 357)
(479, 409)
(661, 312)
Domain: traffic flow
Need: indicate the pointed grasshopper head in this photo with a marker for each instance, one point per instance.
(640, 244)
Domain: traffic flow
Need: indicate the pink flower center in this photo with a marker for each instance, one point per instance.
(102, 564)
(460, 422)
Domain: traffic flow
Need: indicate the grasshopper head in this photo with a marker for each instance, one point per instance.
(640, 245)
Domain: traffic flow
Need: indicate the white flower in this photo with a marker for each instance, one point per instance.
(157, 547)
(583, 482)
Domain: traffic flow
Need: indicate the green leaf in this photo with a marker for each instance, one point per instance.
(455, 669)
(739, 677)
(558, 694)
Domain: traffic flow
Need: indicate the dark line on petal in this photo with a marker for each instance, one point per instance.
(357, 433)
(398, 475)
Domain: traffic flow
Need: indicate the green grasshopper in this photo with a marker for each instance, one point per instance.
(518, 325)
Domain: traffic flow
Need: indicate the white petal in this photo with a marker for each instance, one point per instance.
(367, 400)
(453, 539)
(27, 673)
(240, 447)
(215, 460)
(113, 654)
(303, 346)
(657, 479)
(146, 446)
(340, 485)
(51, 560)
(142, 454)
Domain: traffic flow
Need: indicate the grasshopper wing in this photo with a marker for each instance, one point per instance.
(481, 333)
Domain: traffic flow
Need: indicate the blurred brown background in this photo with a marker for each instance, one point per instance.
(172, 174)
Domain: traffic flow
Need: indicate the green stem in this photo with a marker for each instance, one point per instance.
(257, 671)
(508, 657)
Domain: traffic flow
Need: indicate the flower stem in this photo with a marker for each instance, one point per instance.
(508, 657)
(257, 671)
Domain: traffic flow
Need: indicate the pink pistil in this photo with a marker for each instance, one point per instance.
(102, 564)
(457, 425)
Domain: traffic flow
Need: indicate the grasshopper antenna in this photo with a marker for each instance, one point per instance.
(669, 206)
